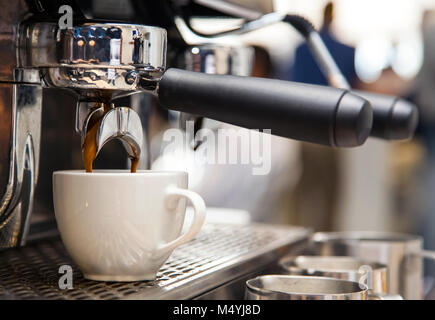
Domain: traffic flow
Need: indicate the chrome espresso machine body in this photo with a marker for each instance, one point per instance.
(94, 63)
(98, 62)
(53, 81)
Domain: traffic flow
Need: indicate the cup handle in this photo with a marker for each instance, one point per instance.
(173, 194)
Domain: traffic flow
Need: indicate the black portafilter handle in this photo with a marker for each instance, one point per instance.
(317, 114)
(393, 118)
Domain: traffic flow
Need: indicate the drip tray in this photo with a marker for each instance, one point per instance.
(218, 255)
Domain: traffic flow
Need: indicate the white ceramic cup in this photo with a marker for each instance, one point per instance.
(122, 226)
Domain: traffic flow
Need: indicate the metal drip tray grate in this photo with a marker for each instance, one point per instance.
(219, 254)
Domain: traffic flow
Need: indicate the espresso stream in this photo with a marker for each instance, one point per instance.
(89, 148)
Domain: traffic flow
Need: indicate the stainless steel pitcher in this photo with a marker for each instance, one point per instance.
(402, 254)
(372, 274)
(284, 287)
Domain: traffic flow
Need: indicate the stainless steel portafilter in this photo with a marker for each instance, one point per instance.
(103, 61)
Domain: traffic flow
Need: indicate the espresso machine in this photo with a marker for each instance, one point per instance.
(53, 82)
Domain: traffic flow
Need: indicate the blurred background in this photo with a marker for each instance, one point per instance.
(383, 46)
(380, 46)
